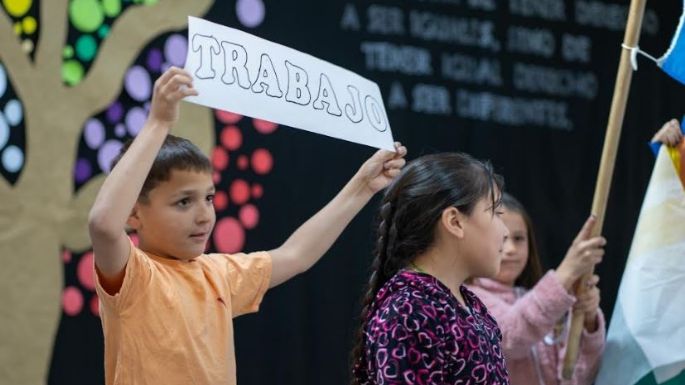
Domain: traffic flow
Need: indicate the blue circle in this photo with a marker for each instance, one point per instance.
(4, 131)
(12, 159)
(14, 112)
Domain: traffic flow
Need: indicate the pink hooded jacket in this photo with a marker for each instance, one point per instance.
(525, 318)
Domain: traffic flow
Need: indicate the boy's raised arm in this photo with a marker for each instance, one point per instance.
(311, 240)
(119, 193)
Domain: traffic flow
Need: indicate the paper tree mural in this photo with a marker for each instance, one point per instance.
(62, 62)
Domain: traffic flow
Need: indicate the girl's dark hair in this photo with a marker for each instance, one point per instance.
(176, 153)
(410, 210)
(532, 272)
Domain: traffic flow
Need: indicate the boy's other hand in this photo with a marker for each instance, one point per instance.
(170, 88)
(379, 170)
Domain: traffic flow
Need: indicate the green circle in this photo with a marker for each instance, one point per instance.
(112, 7)
(103, 31)
(72, 72)
(68, 52)
(86, 15)
(86, 47)
(150, 2)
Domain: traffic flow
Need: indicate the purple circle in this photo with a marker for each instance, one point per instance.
(94, 133)
(120, 130)
(135, 118)
(137, 83)
(154, 60)
(107, 152)
(82, 170)
(250, 12)
(115, 112)
(175, 50)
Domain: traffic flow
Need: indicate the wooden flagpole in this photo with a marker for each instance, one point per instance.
(606, 167)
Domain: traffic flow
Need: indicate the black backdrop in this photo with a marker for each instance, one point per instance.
(303, 332)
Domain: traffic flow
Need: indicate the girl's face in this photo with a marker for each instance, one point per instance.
(515, 250)
(485, 233)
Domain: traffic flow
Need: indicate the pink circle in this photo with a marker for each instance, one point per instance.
(257, 191)
(219, 158)
(243, 162)
(264, 126)
(66, 256)
(249, 216)
(85, 271)
(262, 161)
(95, 306)
(229, 236)
(216, 177)
(240, 192)
(227, 117)
(72, 301)
(231, 138)
(220, 200)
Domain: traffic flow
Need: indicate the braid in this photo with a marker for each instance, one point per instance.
(379, 275)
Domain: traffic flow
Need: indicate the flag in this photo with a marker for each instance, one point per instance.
(646, 337)
(673, 61)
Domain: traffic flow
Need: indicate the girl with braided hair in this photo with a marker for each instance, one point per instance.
(439, 225)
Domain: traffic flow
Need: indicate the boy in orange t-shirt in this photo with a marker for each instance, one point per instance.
(166, 307)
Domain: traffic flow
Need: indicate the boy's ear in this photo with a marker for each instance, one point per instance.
(453, 221)
(133, 220)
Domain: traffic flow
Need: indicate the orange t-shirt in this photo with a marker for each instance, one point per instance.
(171, 321)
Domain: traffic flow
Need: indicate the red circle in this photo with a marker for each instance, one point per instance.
(72, 301)
(229, 236)
(95, 306)
(85, 271)
(216, 177)
(240, 192)
(228, 117)
(262, 161)
(257, 191)
(220, 200)
(249, 216)
(66, 256)
(231, 137)
(243, 162)
(219, 158)
(264, 126)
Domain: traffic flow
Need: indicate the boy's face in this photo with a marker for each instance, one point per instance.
(178, 217)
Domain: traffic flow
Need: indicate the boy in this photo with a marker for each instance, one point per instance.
(166, 307)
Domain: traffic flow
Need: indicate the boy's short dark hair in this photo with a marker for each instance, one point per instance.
(176, 154)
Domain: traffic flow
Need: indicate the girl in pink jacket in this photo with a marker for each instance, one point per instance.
(532, 309)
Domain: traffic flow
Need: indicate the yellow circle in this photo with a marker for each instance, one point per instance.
(17, 8)
(17, 28)
(29, 24)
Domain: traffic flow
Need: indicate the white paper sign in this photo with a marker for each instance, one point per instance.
(235, 71)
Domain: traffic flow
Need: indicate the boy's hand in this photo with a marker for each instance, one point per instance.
(379, 170)
(174, 85)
